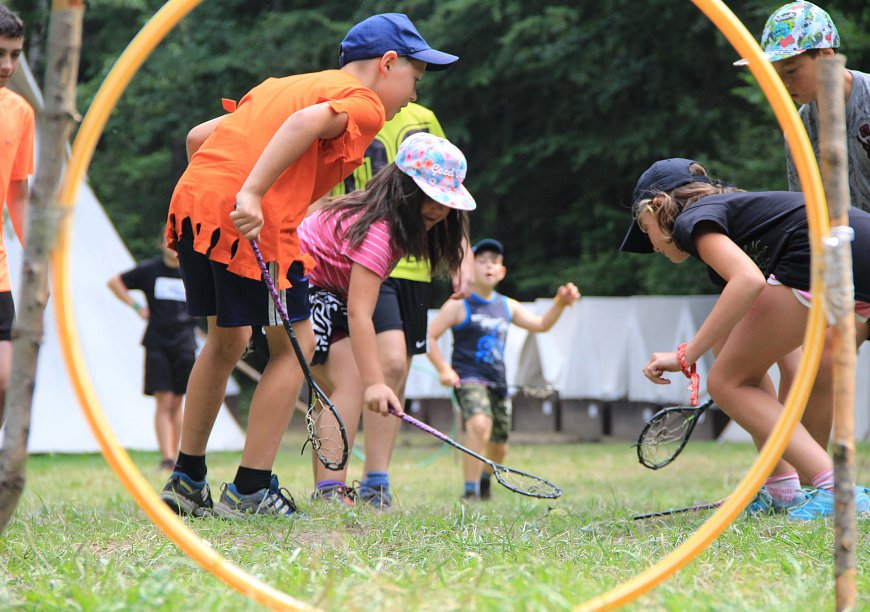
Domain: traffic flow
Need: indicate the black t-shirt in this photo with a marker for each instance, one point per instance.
(169, 325)
(771, 227)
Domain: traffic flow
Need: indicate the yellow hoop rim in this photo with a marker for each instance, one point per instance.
(200, 550)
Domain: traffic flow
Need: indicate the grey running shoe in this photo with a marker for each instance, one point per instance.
(274, 501)
(187, 497)
(378, 496)
(339, 493)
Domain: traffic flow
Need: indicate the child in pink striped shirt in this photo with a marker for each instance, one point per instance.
(415, 206)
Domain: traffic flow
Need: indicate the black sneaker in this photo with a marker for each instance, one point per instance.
(485, 489)
(187, 497)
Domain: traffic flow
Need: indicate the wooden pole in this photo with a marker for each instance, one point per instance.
(43, 220)
(840, 297)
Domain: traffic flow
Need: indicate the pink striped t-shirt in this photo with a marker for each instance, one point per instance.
(335, 258)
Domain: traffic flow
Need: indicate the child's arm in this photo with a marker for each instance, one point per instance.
(293, 138)
(521, 317)
(120, 290)
(16, 204)
(463, 278)
(362, 296)
(199, 134)
(450, 315)
(744, 282)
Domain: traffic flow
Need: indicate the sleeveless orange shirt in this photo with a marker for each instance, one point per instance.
(207, 190)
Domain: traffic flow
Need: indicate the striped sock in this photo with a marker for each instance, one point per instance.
(824, 480)
(783, 487)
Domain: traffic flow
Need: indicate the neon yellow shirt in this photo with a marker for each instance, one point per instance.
(412, 119)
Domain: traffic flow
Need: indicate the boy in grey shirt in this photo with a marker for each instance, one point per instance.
(794, 36)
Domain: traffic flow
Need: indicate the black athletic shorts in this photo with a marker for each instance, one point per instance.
(403, 304)
(7, 315)
(168, 369)
(236, 301)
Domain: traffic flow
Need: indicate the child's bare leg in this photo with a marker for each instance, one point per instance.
(771, 329)
(208, 382)
(478, 429)
(275, 396)
(167, 423)
(496, 451)
(341, 373)
(381, 431)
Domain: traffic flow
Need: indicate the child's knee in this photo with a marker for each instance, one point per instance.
(394, 368)
(479, 425)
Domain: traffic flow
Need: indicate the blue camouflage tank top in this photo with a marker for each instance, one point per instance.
(478, 342)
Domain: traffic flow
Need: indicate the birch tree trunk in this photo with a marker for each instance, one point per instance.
(43, 219)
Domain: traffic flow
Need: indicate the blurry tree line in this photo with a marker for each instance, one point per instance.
(559, 106)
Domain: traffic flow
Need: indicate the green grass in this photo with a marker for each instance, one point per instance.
(78, 542)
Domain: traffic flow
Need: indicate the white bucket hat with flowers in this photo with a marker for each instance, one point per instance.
(438, 167)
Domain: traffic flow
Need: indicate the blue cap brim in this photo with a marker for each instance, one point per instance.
(635, 240)
(435, 60)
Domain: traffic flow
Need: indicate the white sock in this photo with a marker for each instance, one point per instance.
(783, 487)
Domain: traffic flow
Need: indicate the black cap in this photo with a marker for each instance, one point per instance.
(663, 176)
(488, 244)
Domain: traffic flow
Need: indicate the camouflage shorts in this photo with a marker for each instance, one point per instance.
(476, 398)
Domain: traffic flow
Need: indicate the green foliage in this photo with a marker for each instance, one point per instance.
(558, 105)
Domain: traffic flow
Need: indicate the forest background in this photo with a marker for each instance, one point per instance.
(559, 106)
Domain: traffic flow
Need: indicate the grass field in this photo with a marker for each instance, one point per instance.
(78, 542)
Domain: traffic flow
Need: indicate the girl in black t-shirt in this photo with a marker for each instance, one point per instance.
(756, 247)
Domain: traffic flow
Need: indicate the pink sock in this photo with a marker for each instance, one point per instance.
(783, 487)
(824, 480)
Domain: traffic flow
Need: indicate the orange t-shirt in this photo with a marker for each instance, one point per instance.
(16, 156)
(207, 190)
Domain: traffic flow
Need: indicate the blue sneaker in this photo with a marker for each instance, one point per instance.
(377, 496)
(763, 503)
(273, 501)
(820, 504)
(187, 497)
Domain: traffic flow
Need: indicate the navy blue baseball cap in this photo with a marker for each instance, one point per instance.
(663, 176)
(378, 34)
(488, 244)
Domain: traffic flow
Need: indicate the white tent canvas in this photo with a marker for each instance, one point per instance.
(598, 347)
(109, 333)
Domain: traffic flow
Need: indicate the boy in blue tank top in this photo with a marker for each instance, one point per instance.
(480, 324)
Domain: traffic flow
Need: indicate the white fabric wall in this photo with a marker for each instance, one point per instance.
(109, 333)
(598, 347)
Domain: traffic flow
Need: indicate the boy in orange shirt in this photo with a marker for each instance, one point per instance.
(289, 141)
(16, 164)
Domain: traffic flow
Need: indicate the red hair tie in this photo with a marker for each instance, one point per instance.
(690, 371)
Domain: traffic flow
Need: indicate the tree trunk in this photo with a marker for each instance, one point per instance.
(839, 291)
(56, 122)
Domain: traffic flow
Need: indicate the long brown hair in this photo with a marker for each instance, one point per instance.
(394, 196)
(665, 206)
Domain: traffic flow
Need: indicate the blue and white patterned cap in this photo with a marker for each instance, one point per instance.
(795, 28)
(438, 167)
